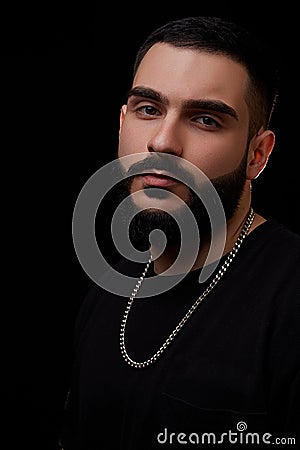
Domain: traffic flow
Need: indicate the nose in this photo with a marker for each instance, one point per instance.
(166, 138)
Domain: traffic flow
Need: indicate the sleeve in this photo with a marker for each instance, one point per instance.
(69, 438)
(284, 363)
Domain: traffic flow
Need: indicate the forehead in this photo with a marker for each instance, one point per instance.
(187, 73)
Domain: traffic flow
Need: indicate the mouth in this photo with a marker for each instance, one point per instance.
(158, 179)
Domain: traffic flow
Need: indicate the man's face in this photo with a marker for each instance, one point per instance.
(192, 105)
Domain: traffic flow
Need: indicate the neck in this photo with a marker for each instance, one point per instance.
(234, 228)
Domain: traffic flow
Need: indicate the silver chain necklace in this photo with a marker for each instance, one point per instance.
(216, 279)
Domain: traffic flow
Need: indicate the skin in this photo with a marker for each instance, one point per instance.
(160, 117)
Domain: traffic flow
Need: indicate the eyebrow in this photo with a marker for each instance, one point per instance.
(210, 105)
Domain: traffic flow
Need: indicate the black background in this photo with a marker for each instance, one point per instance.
(65, 73)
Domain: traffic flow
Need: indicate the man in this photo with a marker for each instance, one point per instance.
(195, 363)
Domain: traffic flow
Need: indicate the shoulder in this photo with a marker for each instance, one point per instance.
(99, 294)
(269, 264)
(276, 239)
(274, 263)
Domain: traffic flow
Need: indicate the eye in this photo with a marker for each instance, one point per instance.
(208, 122)
(148, 110)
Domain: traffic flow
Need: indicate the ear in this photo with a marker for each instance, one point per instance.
(260, 149)
(122, 115)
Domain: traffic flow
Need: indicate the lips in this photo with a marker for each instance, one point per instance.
(158, 180)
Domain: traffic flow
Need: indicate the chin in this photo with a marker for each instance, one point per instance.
(155, 199)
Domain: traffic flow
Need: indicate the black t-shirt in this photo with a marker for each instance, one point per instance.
(230, 376)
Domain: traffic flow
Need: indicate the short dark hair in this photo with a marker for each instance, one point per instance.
(224, 37)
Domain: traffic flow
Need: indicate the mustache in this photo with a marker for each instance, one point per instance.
(171, 167)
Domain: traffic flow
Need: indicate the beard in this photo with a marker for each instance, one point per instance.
(229, 187)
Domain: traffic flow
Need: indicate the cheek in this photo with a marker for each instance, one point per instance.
(130, 141)
(218, 157)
